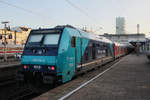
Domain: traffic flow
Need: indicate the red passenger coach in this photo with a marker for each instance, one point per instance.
(119, 50)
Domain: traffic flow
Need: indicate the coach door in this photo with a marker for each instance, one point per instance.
(78, 51)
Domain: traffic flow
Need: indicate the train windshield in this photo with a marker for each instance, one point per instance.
(51, 39)
(35, 38)
(43, 39)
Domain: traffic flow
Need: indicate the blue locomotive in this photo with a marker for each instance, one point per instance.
(60, 53)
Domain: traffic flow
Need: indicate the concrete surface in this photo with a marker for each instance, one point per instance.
(129, 80)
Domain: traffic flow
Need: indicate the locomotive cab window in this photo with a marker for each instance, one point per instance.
(73, 42)
(51, 39)
(35, 38)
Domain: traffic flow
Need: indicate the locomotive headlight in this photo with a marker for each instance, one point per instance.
(25, 66)
(51, 68)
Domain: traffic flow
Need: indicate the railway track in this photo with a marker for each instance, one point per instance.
(8, 73)
(7, 80)
(21, 94)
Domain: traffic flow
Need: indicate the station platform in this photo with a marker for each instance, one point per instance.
(128, 79)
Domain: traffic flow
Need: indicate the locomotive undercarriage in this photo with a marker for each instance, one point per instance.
(38, 78)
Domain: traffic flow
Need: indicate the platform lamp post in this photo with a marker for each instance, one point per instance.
(5, 39)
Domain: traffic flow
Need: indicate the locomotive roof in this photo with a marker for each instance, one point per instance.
(92, 36)
(84, 34)
(54, 30)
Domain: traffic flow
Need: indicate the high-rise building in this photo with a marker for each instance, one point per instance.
(120, 25)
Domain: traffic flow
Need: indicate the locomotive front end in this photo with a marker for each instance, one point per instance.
(39, 59)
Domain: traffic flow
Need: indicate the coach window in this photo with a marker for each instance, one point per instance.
(73, 42)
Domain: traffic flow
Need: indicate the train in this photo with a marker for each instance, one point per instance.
(148, 49)
(60, 53)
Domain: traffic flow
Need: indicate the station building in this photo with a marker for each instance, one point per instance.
(16, 35)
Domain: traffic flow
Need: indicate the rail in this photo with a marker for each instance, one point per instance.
(21, 94)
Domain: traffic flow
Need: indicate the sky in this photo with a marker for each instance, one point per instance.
(97, 15)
